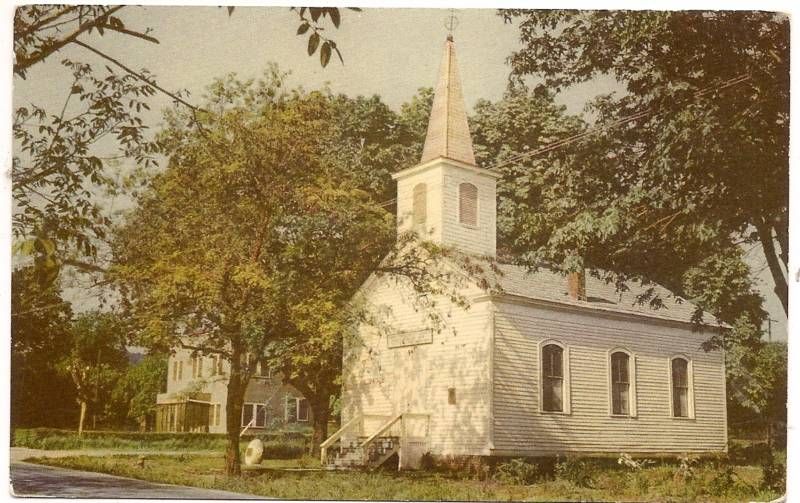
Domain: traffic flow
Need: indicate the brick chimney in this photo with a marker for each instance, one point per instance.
(576, 285)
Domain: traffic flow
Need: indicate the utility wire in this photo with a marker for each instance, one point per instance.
(612, 124)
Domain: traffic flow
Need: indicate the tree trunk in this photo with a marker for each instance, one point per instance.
(768, 244)
(233, 417)
(320, 408)
(83, 417)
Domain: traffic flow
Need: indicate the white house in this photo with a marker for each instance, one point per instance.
(544, 364)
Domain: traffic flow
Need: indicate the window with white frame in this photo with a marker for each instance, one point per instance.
(296, 409)
(197, 367)
(215, 414)
(681, 384)
(553, 385)
(419, 205)
(622, 383)
(468, 204)
(216, 365)
(257, 411)
(302, 409)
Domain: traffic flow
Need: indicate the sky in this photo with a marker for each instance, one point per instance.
(389, 52)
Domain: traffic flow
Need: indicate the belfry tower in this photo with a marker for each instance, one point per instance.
(447, 198)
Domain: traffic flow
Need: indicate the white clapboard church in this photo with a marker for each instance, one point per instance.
(544, 364)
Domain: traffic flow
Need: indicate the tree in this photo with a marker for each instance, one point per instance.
(257, 235)
(694, 155)
(39, 321)
(95, 360)
(757, 380)
(135, 391)
(57, 171)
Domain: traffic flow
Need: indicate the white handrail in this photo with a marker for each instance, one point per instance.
(323, 447)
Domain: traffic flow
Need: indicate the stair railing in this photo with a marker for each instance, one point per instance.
(323, 447)
(384, 427)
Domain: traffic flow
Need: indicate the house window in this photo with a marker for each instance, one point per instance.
(620, 384)
(197, 367)
(257, 411)
(175, 370)
(419, 205)
(296, 409)
(215, 414)
(180, 370)
(263, 370)
(468, 204)
(216, 365)
(302, 409)
(553, 378)
(451, 396)
(680, 387)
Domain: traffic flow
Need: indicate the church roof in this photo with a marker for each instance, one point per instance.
(448, 131)
(545, 284)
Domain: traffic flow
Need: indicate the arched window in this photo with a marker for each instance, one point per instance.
(552, 378)
(680, 387)
(620, 384)
(468, 204)
(419, 211)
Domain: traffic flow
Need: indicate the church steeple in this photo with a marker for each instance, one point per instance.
(448, 131)
(446, 198)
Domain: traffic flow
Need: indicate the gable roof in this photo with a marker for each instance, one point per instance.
(549, 285)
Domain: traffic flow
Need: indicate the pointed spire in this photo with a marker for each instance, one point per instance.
(448, 132)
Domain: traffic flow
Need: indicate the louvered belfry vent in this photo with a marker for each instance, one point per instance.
(468, 204)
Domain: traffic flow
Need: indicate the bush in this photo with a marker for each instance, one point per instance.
(281, 445)
(426, 462)
(476, 467)
(579, 472)
(518, 471)
(773, 476)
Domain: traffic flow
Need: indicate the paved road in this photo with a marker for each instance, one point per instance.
(37, 480)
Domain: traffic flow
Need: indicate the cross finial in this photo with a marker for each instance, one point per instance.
(451, 23)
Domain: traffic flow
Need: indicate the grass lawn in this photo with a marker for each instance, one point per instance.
(708, 482)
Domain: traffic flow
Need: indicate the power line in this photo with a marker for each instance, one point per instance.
(612, 124)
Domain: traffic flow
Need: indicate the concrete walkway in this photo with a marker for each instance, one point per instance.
(30, 480)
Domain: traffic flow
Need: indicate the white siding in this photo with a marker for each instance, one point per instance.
(387, 381)
(442, 226)
(519, 426)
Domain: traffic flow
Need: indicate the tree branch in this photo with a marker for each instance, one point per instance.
(139, 76)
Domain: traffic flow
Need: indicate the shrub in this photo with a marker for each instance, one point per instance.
(475, 467)
(686, 469)
(628, 462)
(518, 471)
(773, 475)
(580, 472)
(722, 481)
(426, 462)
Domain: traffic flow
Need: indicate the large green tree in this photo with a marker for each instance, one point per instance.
(693, 158)
(40, 318)
(95, 360)
(265, 222)
(60, 175)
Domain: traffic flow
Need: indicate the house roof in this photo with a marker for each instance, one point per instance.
(448, 131)
(546, 284)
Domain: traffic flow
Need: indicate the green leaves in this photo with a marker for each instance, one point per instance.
(313, 42)
(325, 54)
